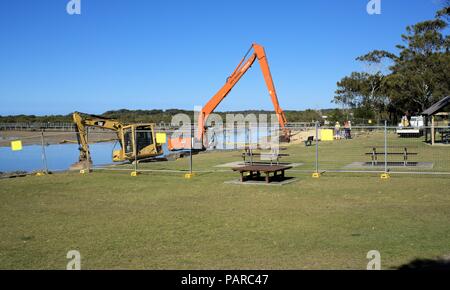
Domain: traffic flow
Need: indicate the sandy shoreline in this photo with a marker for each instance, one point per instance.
(35, 137)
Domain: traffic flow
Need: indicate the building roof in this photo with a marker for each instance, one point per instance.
(436, 107)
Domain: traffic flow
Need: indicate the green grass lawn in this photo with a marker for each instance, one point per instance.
(162, 221)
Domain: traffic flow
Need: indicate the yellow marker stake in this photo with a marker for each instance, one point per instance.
(135, 173)
(316, 175)
(189, 175)
(385, 176)
(16, 145)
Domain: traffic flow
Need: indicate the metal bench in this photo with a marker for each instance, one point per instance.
(445, 135)
(272, 155)
(268, 156)
(308, 142)
(405, 153)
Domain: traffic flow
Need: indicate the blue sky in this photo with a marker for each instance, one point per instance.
(147, 54)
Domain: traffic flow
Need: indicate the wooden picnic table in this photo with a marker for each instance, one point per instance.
(256, 170)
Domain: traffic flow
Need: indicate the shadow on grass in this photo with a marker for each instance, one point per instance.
(426, 265)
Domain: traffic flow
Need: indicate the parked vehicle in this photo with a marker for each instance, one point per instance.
(411, 128)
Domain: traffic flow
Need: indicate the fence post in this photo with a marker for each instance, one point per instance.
(135, 150)
(385, 175)
(43, 155)
(190, 174)
(316, 173)
(88, 153)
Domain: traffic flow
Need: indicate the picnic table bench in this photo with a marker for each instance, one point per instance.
(271, 155)
(308, 142)
(445, 135)
(404, 152)
(256, 171)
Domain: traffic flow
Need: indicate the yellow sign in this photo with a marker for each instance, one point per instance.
(16, 145)
(161, 138)
(326, 135)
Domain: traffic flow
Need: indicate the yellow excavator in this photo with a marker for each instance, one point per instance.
(137, 141)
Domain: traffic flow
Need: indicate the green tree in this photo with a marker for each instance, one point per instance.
(410, 81)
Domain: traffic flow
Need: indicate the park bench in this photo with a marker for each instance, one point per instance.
(403, 152)
(445, 135)
(272, 156)
(308, 142)
(250, 172)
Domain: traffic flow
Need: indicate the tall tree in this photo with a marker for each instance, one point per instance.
(421, 72)
(409, 81)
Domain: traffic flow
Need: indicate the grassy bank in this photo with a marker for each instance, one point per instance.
(164, 221)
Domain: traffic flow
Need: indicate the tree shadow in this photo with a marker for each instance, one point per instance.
(426, 264)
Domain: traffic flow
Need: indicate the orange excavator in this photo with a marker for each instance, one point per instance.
(243, 66)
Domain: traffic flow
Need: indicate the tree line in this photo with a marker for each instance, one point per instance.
(165, 116)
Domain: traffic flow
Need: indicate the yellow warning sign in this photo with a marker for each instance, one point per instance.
(161, 138)
(326, 135)
(16, 145)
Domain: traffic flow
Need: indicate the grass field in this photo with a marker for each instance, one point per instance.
(162, 221)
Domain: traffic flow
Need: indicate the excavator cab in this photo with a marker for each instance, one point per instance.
(138, 141)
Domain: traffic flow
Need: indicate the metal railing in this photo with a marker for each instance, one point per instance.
(363, 149)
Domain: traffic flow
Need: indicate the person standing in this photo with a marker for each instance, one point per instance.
(337, 130)
(347, 130)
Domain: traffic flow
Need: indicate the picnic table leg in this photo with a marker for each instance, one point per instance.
(375, 155)
(282, 174)
(405, 157)
(267, 177)
(242, 176)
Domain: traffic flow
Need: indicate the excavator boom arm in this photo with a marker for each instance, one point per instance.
(92, 121)
(241, 69)
(262, 59)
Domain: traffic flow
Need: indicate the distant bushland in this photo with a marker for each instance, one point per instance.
(157, 116)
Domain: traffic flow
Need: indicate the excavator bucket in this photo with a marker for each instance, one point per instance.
(80, 165)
